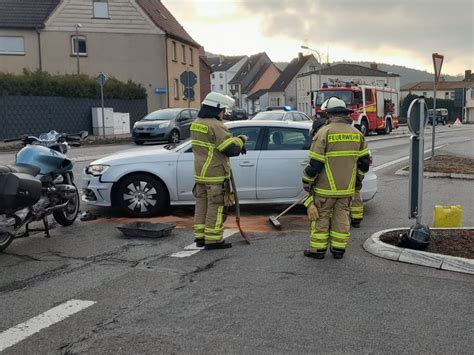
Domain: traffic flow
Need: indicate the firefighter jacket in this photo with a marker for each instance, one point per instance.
(213, 144)
(338, 155)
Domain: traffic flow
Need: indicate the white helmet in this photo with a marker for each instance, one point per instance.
(218, 100)
(335, 105)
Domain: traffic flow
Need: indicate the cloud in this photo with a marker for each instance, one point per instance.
(418, 27)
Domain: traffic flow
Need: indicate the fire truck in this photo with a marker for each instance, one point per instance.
(375, 107)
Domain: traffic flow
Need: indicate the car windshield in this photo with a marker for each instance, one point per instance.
(344, 95)
(269, 116)
(161, 115)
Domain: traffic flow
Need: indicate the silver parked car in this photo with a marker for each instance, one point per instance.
(170, 124)
(145, 182)
(281, 115)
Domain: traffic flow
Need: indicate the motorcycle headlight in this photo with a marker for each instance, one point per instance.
(164, 124)
(96, 170)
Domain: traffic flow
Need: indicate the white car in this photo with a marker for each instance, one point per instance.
(282, 115)
(145, 182)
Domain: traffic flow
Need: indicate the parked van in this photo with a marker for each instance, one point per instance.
(441, 116)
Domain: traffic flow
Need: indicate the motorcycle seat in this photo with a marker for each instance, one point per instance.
(20, 168)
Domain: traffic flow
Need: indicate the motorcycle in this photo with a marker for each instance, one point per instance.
(39, 184)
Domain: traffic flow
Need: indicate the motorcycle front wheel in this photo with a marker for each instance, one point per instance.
(5, 240)
(68, 215)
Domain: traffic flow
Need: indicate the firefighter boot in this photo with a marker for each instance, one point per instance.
(215, 246)
(356, 223)
(319, 254)
(337, 253)
(199, 242)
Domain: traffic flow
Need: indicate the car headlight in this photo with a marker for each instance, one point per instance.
(96, 170)
(164, 124)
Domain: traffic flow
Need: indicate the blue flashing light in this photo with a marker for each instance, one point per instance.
(348, 84)
(325, 85)
(288, 108)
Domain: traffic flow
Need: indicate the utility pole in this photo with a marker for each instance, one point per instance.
(76, 47)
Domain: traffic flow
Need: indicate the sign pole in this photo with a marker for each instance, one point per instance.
(437, 63)
(102, 103)
(189, 95)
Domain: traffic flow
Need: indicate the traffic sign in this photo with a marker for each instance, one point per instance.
(101, 79)
(189, 93)
(161, 90)
(437, 64)
(415, 114)
(188, 78)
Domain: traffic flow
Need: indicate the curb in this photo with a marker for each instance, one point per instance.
(375, 246)
(429, 174)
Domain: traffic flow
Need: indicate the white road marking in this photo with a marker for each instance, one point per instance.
(24, 330)
(192, 249)
(396, 161)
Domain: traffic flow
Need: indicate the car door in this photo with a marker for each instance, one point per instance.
(282, 160)
(184, 123)
(244, 167)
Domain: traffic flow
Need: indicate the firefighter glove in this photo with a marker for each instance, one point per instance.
(313, 213)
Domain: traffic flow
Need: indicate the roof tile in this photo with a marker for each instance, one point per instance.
(25, 13)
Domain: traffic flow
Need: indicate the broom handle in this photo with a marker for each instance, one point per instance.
(236, 196)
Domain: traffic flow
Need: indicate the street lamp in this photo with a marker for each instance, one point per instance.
(319, 62)
(76, 46)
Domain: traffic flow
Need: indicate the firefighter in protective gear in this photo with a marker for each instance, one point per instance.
(357, 210)
(338, 155)
(212, 145)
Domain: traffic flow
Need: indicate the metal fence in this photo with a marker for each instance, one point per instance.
(37, 114)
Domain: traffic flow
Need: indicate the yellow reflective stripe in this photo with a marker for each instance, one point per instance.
(330, 177)
(338, 245)
(339, 193)
(343, 153)
(317, 156)
(343, 137)
(360, 172)
(228, 142)
(318, 245)
(216, 231)
(213, 237)
(339, 235)
(353, 178)
(210, 155)
(220, 216)
(306, 178)
(214, 179)
(363, 152)
(198, 127)
(202, 144)
(199, 226)
(357, 208)
(308, 201)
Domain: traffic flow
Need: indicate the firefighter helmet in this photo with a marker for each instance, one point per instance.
(335, 105)
(215, 99)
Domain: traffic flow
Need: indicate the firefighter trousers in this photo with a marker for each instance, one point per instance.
(333, 224)
(357, 207)
(209, 213)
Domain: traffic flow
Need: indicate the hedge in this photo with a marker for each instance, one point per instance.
(39, 83)
(440, 103)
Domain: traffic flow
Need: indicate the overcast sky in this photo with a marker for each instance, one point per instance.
(404, 32)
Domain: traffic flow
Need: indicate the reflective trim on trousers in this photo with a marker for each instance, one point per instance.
(339, 240)
(199, 231)
(318, 240)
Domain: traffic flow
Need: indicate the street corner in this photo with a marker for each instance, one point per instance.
(450, 249)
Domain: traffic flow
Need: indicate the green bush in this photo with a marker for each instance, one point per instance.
(440, 103)
(39, 83)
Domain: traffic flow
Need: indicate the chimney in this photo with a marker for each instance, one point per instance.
(221, 59)
(300, 56)
(467, 75)
(374, 66)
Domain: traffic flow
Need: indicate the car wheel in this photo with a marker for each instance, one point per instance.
(174, 137)
(5, 240)
(142, 195)
(138, 142)
(364, 127)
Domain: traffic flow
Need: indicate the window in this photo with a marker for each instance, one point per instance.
(221, 75)
(12, 45)
(213, 87)
(251, 132)
(358, 97)
(213, 76)
(288, 139)
(191, 60)
(183, 54)
(185, 115)
(175, 54)
(446, 95)
(221, 86)
(472, 94)
(424, 93)
(452, 95)
(176, 88)
(194, 114)
(80, 43)
(368, 96)
(101, 9)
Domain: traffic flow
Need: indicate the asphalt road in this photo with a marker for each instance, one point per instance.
(262, 298)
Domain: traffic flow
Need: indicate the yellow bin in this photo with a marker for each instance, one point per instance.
(448, 216)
